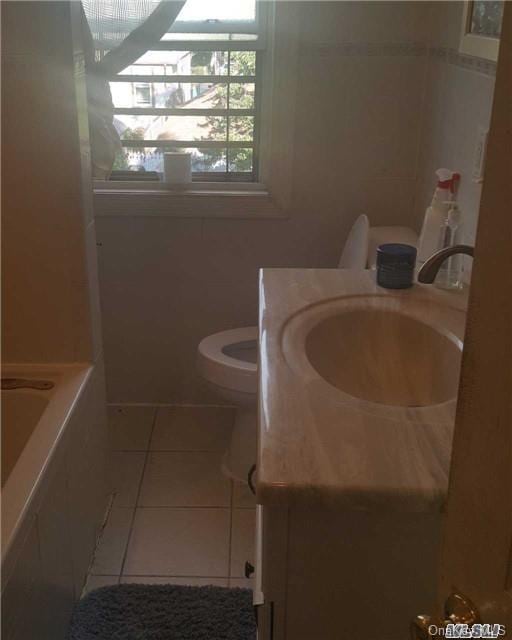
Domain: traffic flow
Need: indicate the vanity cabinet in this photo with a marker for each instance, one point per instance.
(338, 575)
(357, 398)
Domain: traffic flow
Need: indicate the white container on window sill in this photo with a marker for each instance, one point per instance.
(177, 168)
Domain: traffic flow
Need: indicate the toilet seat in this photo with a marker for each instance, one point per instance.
(223, 370)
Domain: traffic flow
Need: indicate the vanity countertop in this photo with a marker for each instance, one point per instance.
(318, 446)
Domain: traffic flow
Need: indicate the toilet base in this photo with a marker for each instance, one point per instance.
(242, 452)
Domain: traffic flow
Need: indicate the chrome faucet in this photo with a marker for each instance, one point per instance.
(428, 272)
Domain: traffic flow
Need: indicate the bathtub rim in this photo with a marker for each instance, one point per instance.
(27, 479)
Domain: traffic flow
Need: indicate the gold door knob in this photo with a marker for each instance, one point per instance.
(458, 609)
(422, 626)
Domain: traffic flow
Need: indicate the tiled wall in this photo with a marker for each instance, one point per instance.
(50, 303)
(381, 102)
(48, 269)
(168, 282)
(458, 100)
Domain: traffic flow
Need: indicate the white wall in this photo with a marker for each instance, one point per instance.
(50, 309)
(458, 100)
(50, 304)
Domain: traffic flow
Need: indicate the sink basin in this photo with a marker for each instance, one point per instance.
(385, 356)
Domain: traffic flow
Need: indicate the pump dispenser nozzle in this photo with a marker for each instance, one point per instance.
(444, 178)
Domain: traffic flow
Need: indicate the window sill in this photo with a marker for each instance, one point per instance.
(200, 200)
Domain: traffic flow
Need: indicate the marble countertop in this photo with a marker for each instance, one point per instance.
(319, 446)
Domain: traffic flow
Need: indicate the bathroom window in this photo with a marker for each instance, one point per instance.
(197, 89)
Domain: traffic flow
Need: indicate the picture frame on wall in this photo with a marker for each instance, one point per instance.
(481, 28)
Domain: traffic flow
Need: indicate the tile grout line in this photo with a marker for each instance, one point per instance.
(165, 405)
(161, 575)
(148, 450)
(226, 507)
(217, 451)
(180, 507)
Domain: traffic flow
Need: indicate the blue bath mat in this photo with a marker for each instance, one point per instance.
(164, 612)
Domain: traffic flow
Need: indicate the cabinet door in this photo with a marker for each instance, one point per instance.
(273, 533)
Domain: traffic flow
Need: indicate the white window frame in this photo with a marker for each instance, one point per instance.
(473, 44)
(258, 27)
(271, 195)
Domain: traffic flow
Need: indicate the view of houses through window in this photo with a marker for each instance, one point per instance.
(202, 101)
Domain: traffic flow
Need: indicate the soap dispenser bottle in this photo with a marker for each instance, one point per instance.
(450, 277)
(430, 238)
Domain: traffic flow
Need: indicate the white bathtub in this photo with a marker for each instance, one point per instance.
(53, 496)
(32, 424)
(21, 411)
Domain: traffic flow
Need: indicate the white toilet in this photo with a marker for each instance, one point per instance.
(228, 360)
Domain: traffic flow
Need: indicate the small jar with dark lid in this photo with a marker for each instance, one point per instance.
(395, 265)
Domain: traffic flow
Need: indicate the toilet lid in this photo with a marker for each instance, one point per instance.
(227, 359)
(355, 251)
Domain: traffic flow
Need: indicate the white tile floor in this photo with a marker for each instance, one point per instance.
(175, 517)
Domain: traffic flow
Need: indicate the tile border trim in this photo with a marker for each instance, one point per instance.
(463, 60)
(367, 49)
(400, 49)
